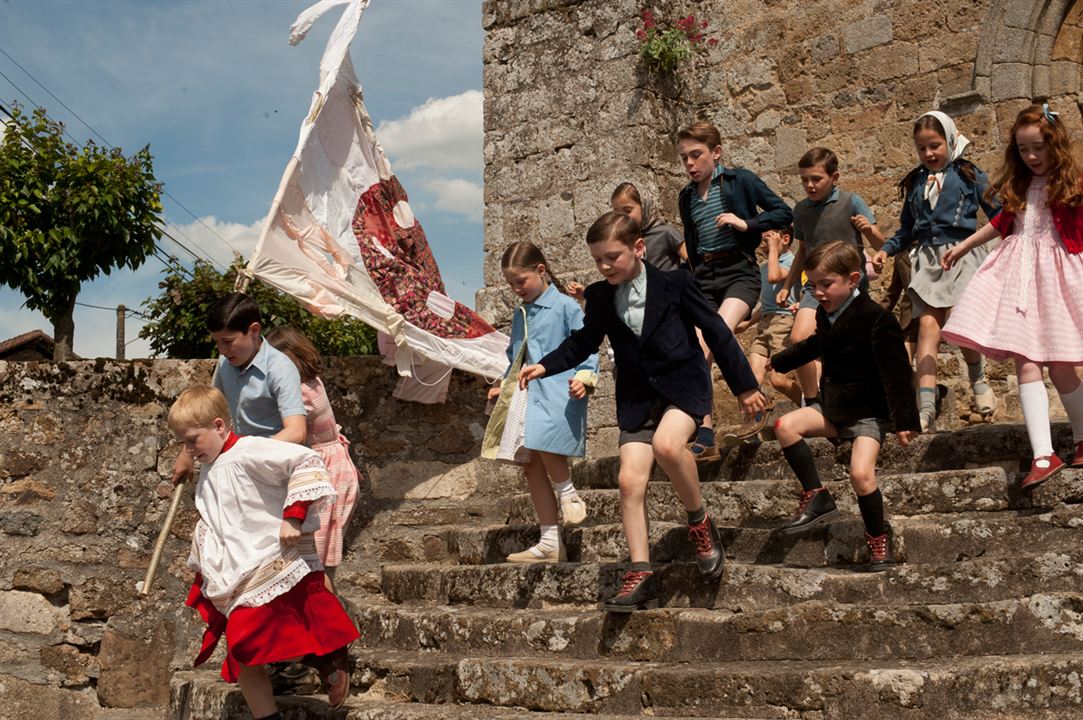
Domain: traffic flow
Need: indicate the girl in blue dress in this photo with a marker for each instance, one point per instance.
(541, 429)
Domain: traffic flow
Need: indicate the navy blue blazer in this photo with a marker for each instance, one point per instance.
(665, 361)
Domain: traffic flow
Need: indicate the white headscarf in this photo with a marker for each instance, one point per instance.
(956, 142)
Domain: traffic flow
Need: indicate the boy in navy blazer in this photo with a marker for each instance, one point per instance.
(663, 387)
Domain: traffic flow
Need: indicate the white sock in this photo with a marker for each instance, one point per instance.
(1035, 402)
(1073, 405)
(565, 489)
(550, 540)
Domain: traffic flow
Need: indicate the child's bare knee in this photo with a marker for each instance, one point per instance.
(667, 449)
(785, 430)
(632, 485)
(863, 480)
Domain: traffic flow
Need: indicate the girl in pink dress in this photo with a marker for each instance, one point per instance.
(322, 436)
(1026, 300)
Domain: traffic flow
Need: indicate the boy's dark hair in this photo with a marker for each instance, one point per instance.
(614, 226)
(838, 257)
(235, 313)
(819, 156)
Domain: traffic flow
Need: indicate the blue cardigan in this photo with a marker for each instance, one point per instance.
(956, 214)
(665, 360)
(745, 193)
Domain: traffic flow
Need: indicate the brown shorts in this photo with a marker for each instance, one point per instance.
(772, 335)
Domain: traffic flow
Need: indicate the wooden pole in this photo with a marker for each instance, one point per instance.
(121, 312)
(163, 535)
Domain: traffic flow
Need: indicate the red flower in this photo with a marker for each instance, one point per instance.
(648, 17)
(641, 34)
(698, 37)
(712, 42)
(703, 24)
(686, 23)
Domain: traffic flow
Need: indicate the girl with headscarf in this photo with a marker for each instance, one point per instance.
(941, 198)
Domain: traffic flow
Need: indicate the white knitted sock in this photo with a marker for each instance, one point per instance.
(550, 540)
(564, 489)
(1035, 402)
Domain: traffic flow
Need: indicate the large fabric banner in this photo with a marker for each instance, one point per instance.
(342, 239)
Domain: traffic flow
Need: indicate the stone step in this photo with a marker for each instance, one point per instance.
(1041, 623)
(1004, 445)
(766, 502)
(949, 688)
(202, 695)
(743, 587)
(934, 538)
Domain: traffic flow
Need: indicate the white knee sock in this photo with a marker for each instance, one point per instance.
(550, 539)
(1073, 405)
(1035, 402)
(564, 489)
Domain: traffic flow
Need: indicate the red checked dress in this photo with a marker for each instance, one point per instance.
(323, 436)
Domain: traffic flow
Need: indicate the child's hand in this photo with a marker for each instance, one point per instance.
(751, 402)
(494, 393)
(773, 238)
(530, 372)
(793, 308)
(905, 437)
(953, 255)
(182, 468)
(878, 261)
(860, 223)
(290, 532)
(781, 296)
(575, 289)
(576, 389)
(732, 220)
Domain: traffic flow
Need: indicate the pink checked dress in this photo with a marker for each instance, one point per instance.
(1026, 299)
(324, 438)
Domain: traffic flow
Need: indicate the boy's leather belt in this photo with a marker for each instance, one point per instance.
(712, 257)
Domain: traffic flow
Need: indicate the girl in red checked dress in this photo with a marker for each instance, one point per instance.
(258, 578)
(1026, 300)
(322, 436)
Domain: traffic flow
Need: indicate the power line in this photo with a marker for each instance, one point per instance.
(129, 312)
(109, 145)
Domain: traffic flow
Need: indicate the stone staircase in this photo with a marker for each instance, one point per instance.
(984, 619)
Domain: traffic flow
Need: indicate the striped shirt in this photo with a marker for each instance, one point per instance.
(705, 215)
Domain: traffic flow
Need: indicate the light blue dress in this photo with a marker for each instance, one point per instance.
(555, 423)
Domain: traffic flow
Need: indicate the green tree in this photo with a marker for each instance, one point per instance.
(68, 214)
(178, 329)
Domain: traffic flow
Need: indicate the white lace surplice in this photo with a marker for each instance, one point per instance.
(240, 498)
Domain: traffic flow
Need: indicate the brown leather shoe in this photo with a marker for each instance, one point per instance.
(334, 671)
(751, 428)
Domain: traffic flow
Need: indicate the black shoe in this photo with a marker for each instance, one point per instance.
(816, 507)
(880, 555)
(638, 591)
(710, 555)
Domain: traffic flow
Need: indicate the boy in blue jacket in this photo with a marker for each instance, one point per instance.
(663, 388)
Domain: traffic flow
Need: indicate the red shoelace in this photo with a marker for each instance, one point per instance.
(631, 580)
(700, 534)
(805, 498)
(877, 546)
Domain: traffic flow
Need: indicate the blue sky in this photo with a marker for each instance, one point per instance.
(217, 92)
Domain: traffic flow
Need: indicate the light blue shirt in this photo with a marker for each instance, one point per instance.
(833, 316)
(630, 300)
(769, 290)
(262, 393)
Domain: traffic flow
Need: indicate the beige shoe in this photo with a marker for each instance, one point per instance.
(986, 402)
(573, 510)
(537, 554)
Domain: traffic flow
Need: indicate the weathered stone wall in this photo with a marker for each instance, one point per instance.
(85, 458)
(570, 110)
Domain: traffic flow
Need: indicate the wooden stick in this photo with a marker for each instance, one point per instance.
(163, 535)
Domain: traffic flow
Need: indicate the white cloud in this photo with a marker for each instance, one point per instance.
(442, 133)
(458, 196)
(210, 236)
